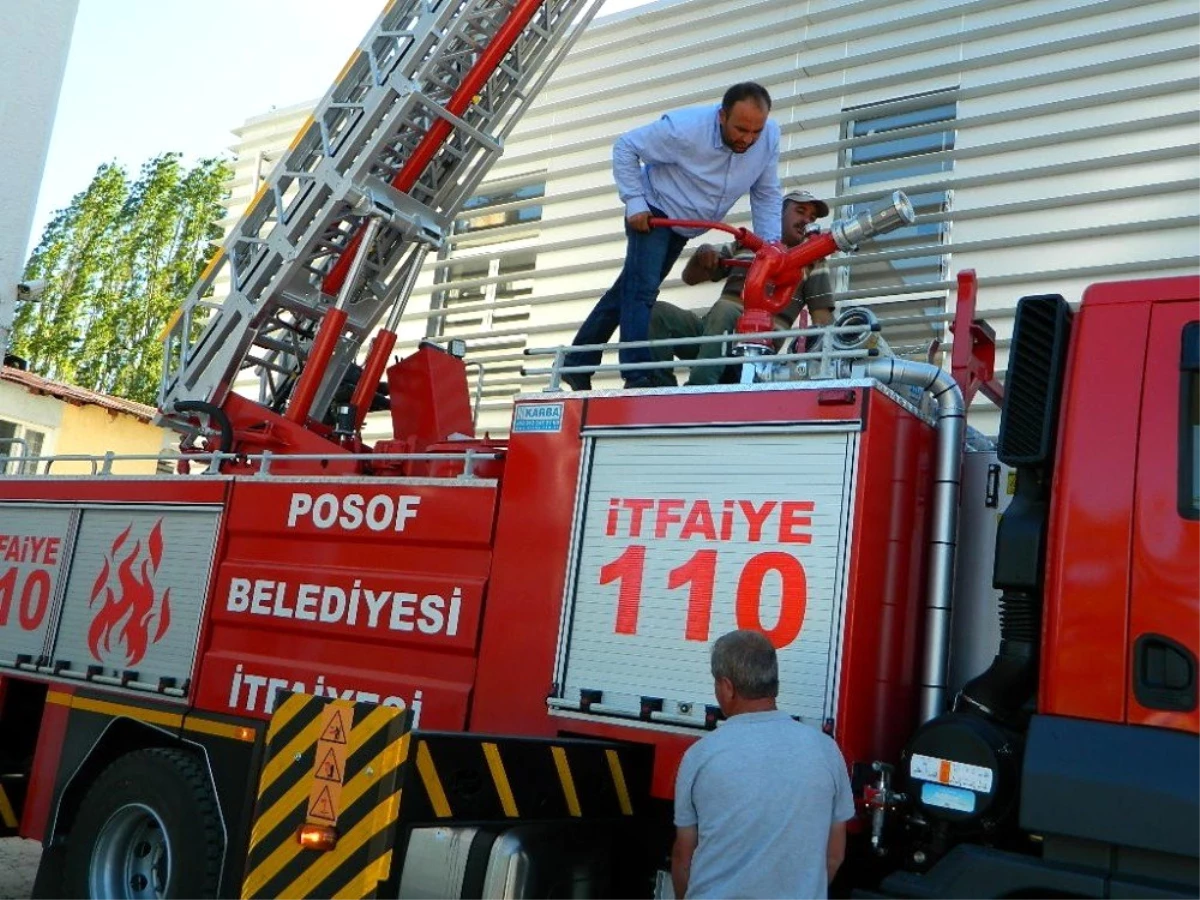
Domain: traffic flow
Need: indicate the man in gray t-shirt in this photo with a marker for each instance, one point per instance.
(761, 804)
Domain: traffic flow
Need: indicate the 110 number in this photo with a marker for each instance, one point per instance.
(699, 574)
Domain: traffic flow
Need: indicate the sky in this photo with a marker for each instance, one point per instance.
(145, 77)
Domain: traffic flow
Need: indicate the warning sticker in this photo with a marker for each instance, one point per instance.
(329, 763)
(322, 806)
(334, 730)
(330, 768)
(956, 774)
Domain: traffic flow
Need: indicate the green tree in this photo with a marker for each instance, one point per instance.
(117, 263)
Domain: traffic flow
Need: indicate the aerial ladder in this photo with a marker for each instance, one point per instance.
(333, 242)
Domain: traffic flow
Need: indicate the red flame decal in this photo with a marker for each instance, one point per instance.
(133, 617)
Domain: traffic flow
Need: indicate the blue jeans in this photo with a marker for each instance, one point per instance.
(648, 259)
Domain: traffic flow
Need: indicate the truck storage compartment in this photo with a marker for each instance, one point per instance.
(686, 535)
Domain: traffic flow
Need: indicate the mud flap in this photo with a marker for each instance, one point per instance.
(331, 763)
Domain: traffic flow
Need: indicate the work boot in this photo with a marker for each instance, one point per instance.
(638, 382)
(650, 378)
(577, 381)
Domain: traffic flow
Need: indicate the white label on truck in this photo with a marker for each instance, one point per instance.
(544, 417)
(686, 536)
(955, 774)
(253, 690)
(353, 512)
(365, 605)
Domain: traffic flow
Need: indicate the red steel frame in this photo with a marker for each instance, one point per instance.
(973, 356)
(47, 754)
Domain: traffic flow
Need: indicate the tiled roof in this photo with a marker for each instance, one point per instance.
(36, 384)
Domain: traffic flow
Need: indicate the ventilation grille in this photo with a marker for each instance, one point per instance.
(1033, 386)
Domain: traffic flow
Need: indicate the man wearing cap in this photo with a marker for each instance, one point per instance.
(690, 164)
(800, 209)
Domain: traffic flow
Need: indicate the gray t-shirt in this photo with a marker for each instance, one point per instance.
(764, 790)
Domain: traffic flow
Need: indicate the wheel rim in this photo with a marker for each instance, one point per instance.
(132, 857)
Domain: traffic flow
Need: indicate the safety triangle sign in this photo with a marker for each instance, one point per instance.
(329, 769)
(322, 807)
(335, 731)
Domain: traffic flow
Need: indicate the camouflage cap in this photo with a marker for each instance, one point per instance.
(807, 197)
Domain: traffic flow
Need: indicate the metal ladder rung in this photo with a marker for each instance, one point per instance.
(298, 305)
(300, 329)
(253, 362)
(278, 346)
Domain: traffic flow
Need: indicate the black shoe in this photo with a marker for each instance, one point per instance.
(577, 381)
(639, 382)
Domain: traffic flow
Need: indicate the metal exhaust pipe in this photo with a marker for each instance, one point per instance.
(943, 541)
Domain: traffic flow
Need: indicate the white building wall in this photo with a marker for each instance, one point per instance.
(29, 412)
(36, 37)
(1074, 153)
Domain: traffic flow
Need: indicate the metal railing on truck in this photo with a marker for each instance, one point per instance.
(102, 464)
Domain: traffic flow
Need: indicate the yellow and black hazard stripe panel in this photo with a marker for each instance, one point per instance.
(473, 778)
(336, 764)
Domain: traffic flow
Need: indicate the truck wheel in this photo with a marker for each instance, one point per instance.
(147, 827)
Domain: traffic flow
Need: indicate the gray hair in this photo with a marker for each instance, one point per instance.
(748, 660)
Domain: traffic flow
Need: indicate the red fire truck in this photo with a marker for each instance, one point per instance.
(452, 666)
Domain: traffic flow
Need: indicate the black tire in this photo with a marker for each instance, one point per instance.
(147, 827)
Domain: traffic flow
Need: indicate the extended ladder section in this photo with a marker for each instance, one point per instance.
(388, 158)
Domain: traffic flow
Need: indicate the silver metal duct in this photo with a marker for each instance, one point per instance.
(951, 428)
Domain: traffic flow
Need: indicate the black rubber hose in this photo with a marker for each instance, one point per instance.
(216, 414)
(1019, 573)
